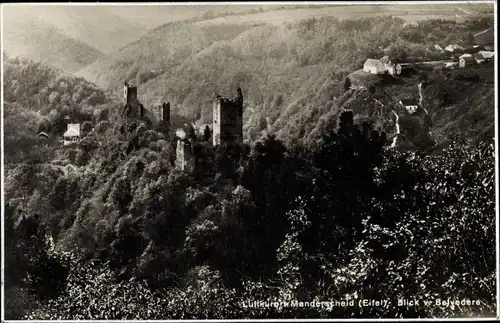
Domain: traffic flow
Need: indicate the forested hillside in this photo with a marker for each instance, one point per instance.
(289, 72)
(315, 206)
(37, 98)
(266, 222)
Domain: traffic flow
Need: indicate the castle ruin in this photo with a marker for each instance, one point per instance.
(227, 123)
(134, 108)
(228, 120)
(130, 94)
(184, 156)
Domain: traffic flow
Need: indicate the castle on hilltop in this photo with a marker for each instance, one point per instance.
(134, 108)
(227, 123)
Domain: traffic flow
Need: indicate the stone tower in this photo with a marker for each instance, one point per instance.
(184, 157)
(130, 94)
(164, 112)
(228, 120)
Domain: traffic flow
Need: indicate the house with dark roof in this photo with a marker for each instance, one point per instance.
(411, 105)
(478, 58)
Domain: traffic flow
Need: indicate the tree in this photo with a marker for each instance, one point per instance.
(207, 134)
(86, 128)
(191, 132)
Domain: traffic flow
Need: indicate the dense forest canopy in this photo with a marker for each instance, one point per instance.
(324, 210)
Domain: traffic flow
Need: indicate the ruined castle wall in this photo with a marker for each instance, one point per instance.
(131, 94)
(184, 157)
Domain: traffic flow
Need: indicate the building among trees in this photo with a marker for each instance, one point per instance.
(466, 61)
(411, 105)
(72, 135)
(382, 66)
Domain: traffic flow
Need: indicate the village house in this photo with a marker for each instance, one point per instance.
(411, 105)
(381, 66)
(466, 61)
(72, 135)
(374, 66)
(478, 58)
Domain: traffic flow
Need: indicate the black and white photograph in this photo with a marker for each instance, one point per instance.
(249, 161)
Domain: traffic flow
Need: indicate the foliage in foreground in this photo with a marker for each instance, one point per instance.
(362, 222)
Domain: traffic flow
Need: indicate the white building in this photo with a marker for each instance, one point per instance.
(466, 61)
(487, 54)
(381, 66)
(374, 66)
(452, 48)
(411, 105)
(72, 135)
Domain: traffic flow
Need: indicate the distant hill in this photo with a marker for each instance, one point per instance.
(161, 50)
(98, 28)
(45, 43)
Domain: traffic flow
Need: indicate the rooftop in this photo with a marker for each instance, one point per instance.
(374, 62)
(477, 56)
(467, 58)
(408, 102)
(73, 130)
